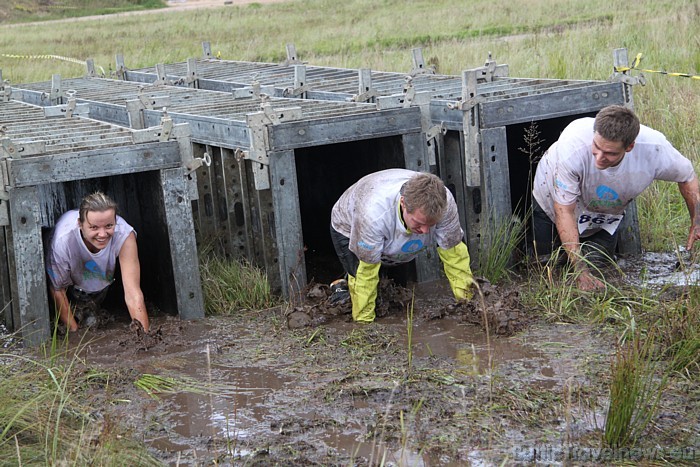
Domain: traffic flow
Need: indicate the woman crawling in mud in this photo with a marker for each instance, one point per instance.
(82, 259)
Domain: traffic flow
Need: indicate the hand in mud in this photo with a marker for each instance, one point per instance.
(693, 236)
(588, 282)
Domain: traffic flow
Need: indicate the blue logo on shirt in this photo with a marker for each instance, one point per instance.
(365, 245)
(606, 193)
(412, 246)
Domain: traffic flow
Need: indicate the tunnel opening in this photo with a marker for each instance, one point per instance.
(527, 143)
(323, 174)
(140, 202)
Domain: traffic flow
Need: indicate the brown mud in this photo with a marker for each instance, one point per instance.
(307, 386)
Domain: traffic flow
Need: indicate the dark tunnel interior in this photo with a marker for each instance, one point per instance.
(140, 200)
(527, 143)
(323, 174)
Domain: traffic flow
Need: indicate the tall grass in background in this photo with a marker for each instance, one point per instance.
(548, 39)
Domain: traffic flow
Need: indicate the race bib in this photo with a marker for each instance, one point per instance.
(597, 220)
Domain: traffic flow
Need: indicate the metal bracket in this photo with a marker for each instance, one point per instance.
(192, 79)
(206, 50)
(435, 130)
(300, 87)
(5, 89)
(153, 102)
(56, 95)
(166, 131)
(259, 122)
(255, 91)
(366, 93)
(162, 77)
(419, 67)
(13, 150)
(72, 108)
(121, 67)
(292, 58)
(198, 162)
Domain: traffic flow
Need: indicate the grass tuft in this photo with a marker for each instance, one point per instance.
(231, 285)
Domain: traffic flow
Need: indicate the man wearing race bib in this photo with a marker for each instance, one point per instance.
(587, 178)
(389, 217)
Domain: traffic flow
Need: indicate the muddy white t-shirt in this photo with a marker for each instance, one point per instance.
(69, 262)
(567, 174)
(368, 213)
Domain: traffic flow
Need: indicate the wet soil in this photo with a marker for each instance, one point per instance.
(428, 383)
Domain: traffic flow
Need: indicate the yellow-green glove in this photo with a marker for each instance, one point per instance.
(363, 291)
(456, 263)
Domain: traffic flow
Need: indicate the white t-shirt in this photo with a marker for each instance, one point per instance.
(368, 213)
(567, 174)
(69, 262)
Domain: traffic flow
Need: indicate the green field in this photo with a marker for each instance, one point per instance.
(542, 38)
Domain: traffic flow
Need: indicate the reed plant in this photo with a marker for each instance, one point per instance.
(634, 392)
(230, 285)
(498, 253)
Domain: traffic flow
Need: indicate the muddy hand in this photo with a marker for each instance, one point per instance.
(588, 282)
(693, 236)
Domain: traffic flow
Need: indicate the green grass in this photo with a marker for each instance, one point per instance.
(634, 393)
(44, 10)
(550, 39)
(230, 285)
(46, 417)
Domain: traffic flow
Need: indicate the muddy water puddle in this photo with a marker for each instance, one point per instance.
(662, 269)
(337, 393)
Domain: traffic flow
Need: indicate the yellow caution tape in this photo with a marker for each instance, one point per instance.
(50, 57)
(637, 61)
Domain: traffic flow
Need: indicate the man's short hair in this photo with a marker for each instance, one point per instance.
(96, 202)
(426, 192)
(617, 123)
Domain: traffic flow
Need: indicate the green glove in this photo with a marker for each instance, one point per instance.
(363, 291)
(456, 263)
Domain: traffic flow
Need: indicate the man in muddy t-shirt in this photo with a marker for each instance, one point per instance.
(388, 217)
(82, 259)
(587, 178)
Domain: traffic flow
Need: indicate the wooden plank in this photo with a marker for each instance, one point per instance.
(183, 249)
(288, 231)
(31, 300)
(35, 170)
(293, 135)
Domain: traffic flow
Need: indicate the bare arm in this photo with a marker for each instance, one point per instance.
(567, 228)
(131, 278)
(691, 195)
(60, 300)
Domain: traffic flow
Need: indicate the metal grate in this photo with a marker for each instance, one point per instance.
(24, 123)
